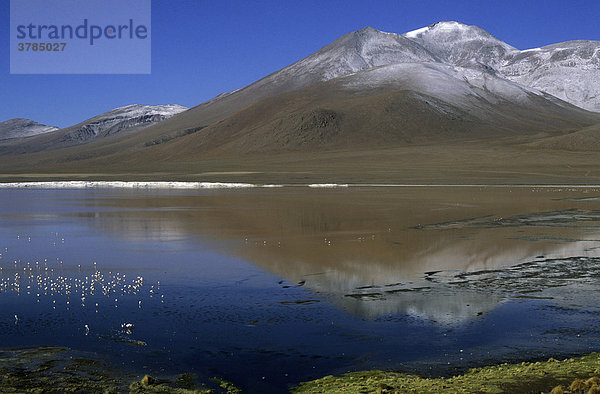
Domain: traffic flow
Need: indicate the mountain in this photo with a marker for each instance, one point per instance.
(19, 128)
(453, 81)
(445, 83)
(551, 69)
(447, 43)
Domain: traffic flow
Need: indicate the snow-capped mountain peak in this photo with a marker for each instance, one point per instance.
(460, 44)
(448, 26)
(454, 31)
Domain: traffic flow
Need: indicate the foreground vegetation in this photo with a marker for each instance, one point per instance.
(574, 375)
(61, 370)
(55, 369)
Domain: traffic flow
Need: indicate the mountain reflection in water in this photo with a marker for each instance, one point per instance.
(374, 251)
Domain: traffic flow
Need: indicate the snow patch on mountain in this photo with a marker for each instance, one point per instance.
(353, 52)
(123, 119)
(569, 71)
(136, 110)
(463, 87)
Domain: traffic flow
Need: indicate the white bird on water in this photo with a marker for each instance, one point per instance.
(16, 319)
(87, 329)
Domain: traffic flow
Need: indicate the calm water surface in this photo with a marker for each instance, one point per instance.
(267, 288)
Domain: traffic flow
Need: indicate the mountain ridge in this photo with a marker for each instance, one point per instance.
(22, 128)
(127, 118)
(121, 120)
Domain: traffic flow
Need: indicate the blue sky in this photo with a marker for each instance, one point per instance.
(203, 48)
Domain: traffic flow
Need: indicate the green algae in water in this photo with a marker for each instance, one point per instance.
(60, 369)
(504, 378)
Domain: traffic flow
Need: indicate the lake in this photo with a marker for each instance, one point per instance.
(268, 287)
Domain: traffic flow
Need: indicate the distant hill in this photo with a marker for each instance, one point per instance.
(586, 139)
(124, 119)
(20, 128)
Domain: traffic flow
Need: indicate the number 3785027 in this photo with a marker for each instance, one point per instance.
(41, 46)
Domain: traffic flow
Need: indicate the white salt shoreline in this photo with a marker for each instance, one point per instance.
(239, 185)
(129, 185)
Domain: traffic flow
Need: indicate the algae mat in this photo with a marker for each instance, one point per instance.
(49, 369)
(576, 375)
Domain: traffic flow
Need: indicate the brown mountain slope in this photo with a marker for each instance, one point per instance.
(393, 106)
(386, 106)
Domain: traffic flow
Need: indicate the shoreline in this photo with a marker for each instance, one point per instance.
(58, 368)
(179, 185)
